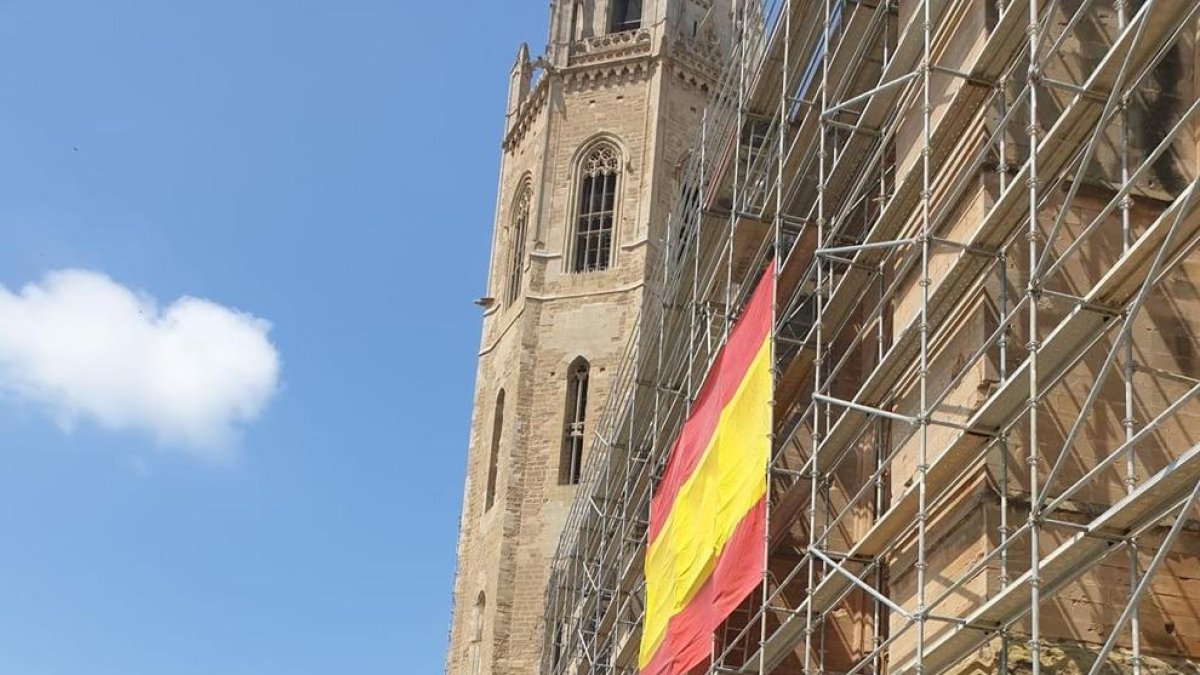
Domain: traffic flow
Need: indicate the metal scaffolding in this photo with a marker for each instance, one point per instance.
(981, 215)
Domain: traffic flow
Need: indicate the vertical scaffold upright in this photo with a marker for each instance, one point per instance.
(983, 217)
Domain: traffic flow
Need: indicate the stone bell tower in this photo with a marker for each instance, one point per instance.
(594, 133)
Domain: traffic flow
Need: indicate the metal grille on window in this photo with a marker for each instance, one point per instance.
(571, 465)
(597, 210)
(516, 263)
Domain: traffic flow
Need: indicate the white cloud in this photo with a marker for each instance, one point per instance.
(86, 348)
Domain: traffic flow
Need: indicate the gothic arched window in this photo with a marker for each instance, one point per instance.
(520, 229)
(600, 170)
(626, 15)
(570, 465)
(473, 658)
(494, 455)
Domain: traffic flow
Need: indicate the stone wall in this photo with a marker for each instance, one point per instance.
(643, 93)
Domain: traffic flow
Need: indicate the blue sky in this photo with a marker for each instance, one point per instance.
(328, 167)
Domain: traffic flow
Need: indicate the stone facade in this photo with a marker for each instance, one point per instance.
(636, 93)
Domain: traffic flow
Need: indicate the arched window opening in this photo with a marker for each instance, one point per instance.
(520, 229)
(473, 657)
(494, 455)
(626, 15)
(689, 218)
(570, 467)
(556, 647)
(592, 248)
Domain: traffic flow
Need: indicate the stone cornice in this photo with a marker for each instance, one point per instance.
(610, 47)
(631, 69)
(593, 62)
(616, 58)
(699, 64)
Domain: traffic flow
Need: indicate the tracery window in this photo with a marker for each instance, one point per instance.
(570, 466)
(626, 15)
(520, 228)
(599, 174)
(494, 455)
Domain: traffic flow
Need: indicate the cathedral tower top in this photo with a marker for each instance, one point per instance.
(594, 132)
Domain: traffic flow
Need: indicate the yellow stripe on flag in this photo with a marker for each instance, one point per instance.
(728, 481)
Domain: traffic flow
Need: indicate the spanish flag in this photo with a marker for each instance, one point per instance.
(705, 543)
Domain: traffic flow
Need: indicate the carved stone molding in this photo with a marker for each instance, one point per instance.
(598, 77)
(609, 47)
(527, 113)
(700, 69)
